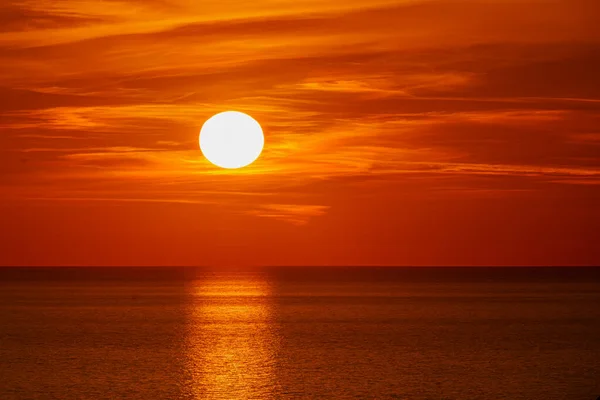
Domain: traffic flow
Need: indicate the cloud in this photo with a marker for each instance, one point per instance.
(24, 16)
(115, 93)
(297, 214)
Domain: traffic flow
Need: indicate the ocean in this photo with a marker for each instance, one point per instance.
(300, 333)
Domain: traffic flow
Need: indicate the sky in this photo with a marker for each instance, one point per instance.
(397, 132)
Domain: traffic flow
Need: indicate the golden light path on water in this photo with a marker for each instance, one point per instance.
(232, 344)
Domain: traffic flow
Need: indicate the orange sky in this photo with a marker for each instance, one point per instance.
(398, 132)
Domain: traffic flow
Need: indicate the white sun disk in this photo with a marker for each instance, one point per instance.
(231, 139)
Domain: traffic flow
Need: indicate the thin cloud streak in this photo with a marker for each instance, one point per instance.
(297, 214)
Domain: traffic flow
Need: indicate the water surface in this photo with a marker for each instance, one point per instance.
(299, 333)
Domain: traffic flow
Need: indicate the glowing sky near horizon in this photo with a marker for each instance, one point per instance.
(399, 132)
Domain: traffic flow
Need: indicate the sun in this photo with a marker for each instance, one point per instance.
(231, 139)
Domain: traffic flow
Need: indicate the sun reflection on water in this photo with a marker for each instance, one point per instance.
(231, 339)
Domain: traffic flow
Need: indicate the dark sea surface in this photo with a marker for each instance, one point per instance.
(300, 333)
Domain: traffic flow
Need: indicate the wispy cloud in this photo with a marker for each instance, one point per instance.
(298, 214)
(115, 92)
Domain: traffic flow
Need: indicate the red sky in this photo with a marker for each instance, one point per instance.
(398, 132)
